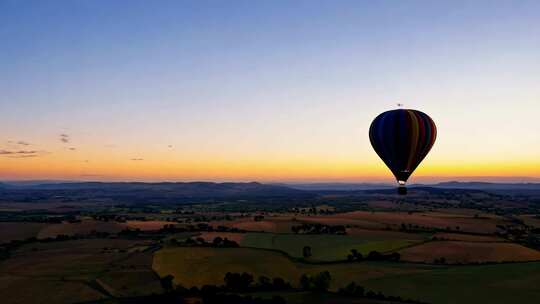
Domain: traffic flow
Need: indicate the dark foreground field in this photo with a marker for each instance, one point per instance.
(443, 246)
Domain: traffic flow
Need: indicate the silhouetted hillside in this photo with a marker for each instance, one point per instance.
(134, 192)
(340, 186)
(485, 186)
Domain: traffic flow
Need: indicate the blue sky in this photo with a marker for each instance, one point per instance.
(233, 84)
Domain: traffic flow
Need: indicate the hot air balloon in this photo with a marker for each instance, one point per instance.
(402, 138)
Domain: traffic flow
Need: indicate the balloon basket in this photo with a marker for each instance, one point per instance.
(402, 190)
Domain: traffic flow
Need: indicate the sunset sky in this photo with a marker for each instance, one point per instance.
(280, 91)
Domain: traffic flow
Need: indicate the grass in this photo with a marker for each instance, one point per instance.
(64, 272)
(195, 266)
(324, 247)
(19, 231)
(468, 252)
(503, 283)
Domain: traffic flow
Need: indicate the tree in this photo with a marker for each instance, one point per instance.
(355, 255)
(280, 284)
(306, 252)
(321, 282)
(264, 282)
(237, 281)
(352, 290)
(394, 256)
(217, 241)
(305, 282)
(374, 256)
(167, 283)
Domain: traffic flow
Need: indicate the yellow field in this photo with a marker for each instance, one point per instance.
(199, 266)
(439, 284)
(192, 266)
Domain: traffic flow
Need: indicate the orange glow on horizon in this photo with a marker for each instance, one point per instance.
(161, 169)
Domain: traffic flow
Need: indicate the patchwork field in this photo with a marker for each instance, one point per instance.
(77, 271)
(21, 290)
(531, 220)
(269, 224)
(469, 252)
(503, 283)
(323, 247)
(467, 237)
(381, 220)
(496, 284)
(210, 236)
(196, 266)
(148, 225)
(10, 231)
(83, 227)
(381, 235)
(302, 297)
(192, 266)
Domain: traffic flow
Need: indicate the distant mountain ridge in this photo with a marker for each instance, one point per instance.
(482, 185)
(340, 186)
(170, 189)
(212, 189)
(442, 185)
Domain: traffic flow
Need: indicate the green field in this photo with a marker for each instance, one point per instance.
(324, 247)
(502, 283)
(77, 271)
(197, 266)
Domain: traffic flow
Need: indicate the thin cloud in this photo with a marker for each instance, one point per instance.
(20, 143)
(64, 138)
(22, 153)
(137, 159)
(72, 149)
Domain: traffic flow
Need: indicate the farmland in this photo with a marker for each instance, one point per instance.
(453, 221)
(19, 231)
(323, 247)
(420, 248)
(504, 283)
(84, 227)
(77, 266)
(469, 252)
(208, 266)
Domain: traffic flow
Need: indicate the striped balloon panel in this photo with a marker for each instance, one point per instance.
(402, 138)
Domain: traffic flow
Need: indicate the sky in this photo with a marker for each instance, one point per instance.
(264, 90)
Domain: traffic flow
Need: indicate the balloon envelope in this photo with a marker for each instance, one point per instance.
(402, 138)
